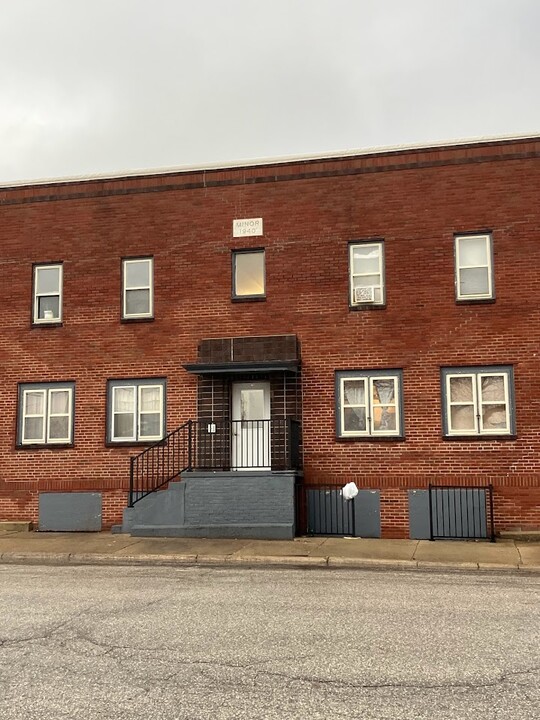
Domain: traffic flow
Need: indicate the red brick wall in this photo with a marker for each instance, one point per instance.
(415, 201)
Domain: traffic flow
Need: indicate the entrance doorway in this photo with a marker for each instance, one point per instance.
(250, 436)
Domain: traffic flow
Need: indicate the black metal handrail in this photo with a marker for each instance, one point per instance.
(246, 444)
(160, 463)
(216, 445)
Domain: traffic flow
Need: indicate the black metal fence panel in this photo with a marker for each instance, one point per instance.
(322, 510)
(461, 513)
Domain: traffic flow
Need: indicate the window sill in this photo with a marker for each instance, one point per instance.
(482, 438)
(249, 298)
(371, 438)
(128, 320)
(130, 443)
(367, 306)
(52, 324)
(44, 446)
(475, 301)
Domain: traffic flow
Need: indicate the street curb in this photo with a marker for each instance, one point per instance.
(289, 561)
(372, 563)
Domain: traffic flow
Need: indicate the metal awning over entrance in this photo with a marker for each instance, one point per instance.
(248, 354)
(289, 366)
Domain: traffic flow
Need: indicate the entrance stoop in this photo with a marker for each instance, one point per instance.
(236, 504)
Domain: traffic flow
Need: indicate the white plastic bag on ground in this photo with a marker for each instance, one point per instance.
(350, 491)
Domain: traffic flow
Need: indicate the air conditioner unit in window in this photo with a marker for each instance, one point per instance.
(364, 294)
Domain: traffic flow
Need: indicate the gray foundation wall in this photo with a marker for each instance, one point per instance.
(221, 504)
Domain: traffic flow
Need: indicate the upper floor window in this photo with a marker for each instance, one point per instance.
(138, 288)
(47, 300)
(136, 410)
(474, 267)
(478, 401)
(366, 274)
(369, 403)
(46, 414)
(249, 280)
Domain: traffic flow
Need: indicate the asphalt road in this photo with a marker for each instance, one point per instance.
(199, 643)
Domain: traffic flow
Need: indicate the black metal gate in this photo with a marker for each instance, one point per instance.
(322, 510)
(461, 513)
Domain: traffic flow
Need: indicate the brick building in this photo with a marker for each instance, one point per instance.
(367, 317)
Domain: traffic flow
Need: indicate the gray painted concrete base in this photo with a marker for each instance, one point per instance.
(219, 505)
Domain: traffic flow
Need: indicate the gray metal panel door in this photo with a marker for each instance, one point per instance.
(70, 512)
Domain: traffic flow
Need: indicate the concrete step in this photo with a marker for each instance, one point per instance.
(15, 526)
(520, 535)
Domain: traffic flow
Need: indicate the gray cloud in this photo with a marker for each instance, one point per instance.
(115, 85)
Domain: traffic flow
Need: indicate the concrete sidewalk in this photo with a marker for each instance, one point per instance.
(107, 549)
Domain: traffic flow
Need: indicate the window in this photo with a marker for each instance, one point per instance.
(369, 404)
(366, 272)
(47, 304)
(474, 267)
(478, 401)
(46, 414)
(138, 288)
(135, 410)
(248, 274)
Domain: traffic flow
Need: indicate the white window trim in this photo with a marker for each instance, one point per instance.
(123, 438)
(482, 403)
(47, 415)
(381, 286)
(459, 267)
(149, 287)
(47, 321)
(450, 404)
(140, 413)
(137, 413)
(370, 430)
(478, 404)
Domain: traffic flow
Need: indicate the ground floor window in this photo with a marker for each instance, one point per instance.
(478, 401)
(46, 413)
(135, 410)
(369, 403)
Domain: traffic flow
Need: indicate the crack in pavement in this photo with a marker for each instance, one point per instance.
(44, 634)
(501, 679)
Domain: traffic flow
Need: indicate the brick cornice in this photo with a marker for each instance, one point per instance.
(285, 171)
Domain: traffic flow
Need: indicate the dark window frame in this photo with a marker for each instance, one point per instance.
(46, 386)
(150, 317)
(366, 305)
(396, 373)
(235, 252)
(56, 322)
(477, 370)
(136, 382)
(472, 300)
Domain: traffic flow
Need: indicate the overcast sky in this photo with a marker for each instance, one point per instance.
(103, 86)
